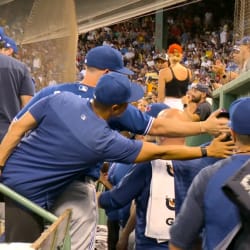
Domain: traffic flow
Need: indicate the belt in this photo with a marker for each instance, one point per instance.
(86, 178)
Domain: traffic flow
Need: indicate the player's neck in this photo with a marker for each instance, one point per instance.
(89, 81)
(101, 113)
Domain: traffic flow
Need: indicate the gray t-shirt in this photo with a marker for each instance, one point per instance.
(15, 81)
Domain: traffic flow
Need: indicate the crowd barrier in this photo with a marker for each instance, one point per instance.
(51, 218)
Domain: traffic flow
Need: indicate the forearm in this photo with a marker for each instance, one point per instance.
(173, 152)
(161, 97)
(106, 183)
(161, 88)
(217, 148)
(122, 243)
(9, 142)
(174, 127)
(130, 225)
(151, 151)
(173, 247)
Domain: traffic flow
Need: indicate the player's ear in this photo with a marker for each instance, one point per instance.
(118, 109)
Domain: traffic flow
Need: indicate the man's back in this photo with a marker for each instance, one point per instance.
(62, 147)
(15, 81)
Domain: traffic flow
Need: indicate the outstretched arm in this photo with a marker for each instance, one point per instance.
(217, 148)
(175, 127)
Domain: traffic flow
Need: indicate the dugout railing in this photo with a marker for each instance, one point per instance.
(46, 215)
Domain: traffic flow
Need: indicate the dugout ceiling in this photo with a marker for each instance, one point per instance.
(92, 14)
(99, 13)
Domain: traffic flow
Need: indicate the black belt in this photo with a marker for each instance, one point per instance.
(86, 178)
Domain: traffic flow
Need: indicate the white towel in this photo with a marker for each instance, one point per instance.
(161, 206)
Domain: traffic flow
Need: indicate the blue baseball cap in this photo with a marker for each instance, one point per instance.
(116, 88)
(202, 88)
(1, 33)
(105, 57)
(239, 119)
(155, 108)
(10, 43)
(244, 41)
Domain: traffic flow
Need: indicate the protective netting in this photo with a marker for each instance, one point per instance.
(46, 32)
(242, 18)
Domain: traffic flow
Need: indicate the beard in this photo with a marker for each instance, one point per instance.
(196, 99)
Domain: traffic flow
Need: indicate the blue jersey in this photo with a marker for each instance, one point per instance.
(62, 147)
(184, 173)
(115, 174)
(207, 207)
(135, 185)
(132, 119)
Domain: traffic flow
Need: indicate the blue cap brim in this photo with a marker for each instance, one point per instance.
(2, 31)
(125, 71)
(137, 92)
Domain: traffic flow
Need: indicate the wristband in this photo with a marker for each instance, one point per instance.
(203, 151)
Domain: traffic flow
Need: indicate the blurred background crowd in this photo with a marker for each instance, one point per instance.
(204, 30)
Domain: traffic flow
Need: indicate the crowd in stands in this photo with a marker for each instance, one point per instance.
(207, 46)
(204, 43)
(207, 40)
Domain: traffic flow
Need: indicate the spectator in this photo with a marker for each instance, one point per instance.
(161, 61)
(219, 225)
(47, 169)
(173, 81)
(198, 95)
(9, 46)
(17, 89)
(244, 54)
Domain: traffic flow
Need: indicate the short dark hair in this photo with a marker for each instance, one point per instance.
(2, 44)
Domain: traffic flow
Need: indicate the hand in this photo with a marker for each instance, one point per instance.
(221, 149)
(122, 243)
(215, 126)
(103, 177)
(186, 99)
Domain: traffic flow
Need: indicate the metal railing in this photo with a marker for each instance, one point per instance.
(34, 208)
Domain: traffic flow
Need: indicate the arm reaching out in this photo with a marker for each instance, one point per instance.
(175, 127)
(217, 148)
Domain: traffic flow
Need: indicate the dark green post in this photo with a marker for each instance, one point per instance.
(161, 30)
